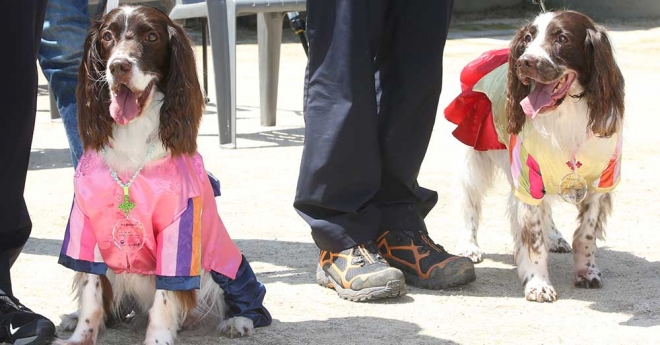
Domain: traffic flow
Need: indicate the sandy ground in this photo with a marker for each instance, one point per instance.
(259, 181)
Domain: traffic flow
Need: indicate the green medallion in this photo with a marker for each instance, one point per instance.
(127, 205)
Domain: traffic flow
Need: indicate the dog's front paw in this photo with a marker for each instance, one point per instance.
(82, 335)
(236, 327)
(540, 290)
(471, 251)
(559, 245)
(589, 279)
(160, 336)
(69, 322)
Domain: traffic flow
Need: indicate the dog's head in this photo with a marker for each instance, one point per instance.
(564, 54)
(134, 57)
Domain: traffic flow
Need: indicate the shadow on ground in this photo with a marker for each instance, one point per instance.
(349, 330)
(41, 159)
(42, 90)
(278, 137)
(621, 271)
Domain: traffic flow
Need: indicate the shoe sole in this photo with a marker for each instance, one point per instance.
(393, 288)
(44, 338)
(457, 273)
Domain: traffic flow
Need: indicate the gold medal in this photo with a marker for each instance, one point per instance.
(573, 188)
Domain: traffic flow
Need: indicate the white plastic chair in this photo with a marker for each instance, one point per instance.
(222, 22)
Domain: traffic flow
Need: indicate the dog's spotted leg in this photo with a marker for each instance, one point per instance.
(163, 319)
(594, 211)
(531, 253)
(556, 242)
(476, 179)
(90, 314)
(471, 215)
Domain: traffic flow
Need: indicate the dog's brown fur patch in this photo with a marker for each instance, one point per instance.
(187, 300)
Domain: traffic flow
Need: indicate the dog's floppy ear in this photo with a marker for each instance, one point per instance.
(183, 105)
(516, 90)
(93, 95)
(605, 89)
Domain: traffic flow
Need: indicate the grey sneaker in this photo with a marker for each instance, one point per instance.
(359, 274)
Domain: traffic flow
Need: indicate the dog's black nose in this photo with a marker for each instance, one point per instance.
(119, 67)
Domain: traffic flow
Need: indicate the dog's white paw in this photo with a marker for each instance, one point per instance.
(160, 336)
(471, 251)
(83, 336)
(559, 245)
(539, 290)
(236, 327)
(69, 322)
(589, 279)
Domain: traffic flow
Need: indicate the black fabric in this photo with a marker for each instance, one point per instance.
(21, 22)
(371, 95)
(410, 242)
(405, 255)
(244, 295)
(19, 322)
(215, 184)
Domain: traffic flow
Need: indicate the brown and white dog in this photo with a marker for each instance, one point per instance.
(557, 107)
(140, 106)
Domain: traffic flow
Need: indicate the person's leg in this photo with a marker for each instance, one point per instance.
(60, 52)
(411, 80)
(340, 168)
(12, 245)
(24, 21)
(18, 97)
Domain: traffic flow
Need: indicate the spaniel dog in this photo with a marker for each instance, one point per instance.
(548, 112)
(144, 233)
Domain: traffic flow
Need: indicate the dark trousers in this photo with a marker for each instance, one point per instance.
(371, 96)
(21, 23)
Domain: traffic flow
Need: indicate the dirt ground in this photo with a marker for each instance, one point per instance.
(259, 178)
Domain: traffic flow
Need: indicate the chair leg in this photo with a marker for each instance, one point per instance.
(54, 111)
(269, 35)
(222, 21)
(205, 60)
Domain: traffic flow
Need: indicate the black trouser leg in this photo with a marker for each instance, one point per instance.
(340, 169)
(22, 22)
(359, 160)
(410, 66)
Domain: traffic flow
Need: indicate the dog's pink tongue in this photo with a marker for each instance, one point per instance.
(537, 99)
(123, 106)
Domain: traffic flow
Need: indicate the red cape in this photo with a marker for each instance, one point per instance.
(471, 110)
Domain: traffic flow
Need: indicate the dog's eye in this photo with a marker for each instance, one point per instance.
(107, 36)
(152, 37)
(562, 38)
(528, 38)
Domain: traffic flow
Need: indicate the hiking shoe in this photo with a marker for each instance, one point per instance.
(359, 274)
(424, 264)
(21, 326)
